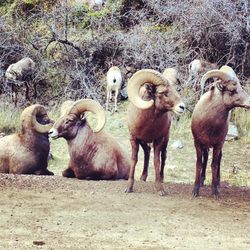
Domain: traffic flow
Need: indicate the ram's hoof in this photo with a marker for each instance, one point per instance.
(162, 192)
(128, 190)
(143, 177)
(216, 194)
(49, 172)
(69, 173)
(195, 192)
(160, 189)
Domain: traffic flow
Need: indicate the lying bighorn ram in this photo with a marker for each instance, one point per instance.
(210, 122)
(27, 152)
(93, 154)
(149, 120)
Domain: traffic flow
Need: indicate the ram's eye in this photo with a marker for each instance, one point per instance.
(233, 92)
(67, 121)
(163, 93)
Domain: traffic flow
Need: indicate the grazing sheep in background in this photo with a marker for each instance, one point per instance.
(172, 76)
(27, 151)
(19, 72)
(91, 3)
(114, 82)
(65, 107)
(196, 68)
(210, 122)
(149, 121)
(93, 155)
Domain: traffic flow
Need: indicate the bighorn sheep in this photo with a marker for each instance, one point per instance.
(27, 152)
(18, 72)
(93, 154)
(149, 120)
(171, 75)
(210, 122)
(114, 82)
(91, 3)
(65, 107)
(196, 68)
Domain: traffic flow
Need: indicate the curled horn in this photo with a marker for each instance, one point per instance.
(84, 105)
(29, 115)
(139, 79)
(225, 73)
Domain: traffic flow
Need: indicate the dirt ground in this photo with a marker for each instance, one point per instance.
(40, 212)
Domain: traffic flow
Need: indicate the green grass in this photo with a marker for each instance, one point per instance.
(241, 118)
(9, 118)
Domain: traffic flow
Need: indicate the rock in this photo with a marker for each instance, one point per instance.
(117, 124)
(130, 69)
(2, 135)
(50, 156)
(124, 94)
(129, 75)
(232, 133)
(177, 145)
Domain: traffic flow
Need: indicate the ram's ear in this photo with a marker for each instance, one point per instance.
(83, 116)
(212, 87)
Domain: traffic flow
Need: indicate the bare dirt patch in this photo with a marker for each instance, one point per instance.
(59, 213)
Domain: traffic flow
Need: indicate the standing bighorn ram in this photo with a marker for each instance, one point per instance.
(149, 120)
(18, 72)
(210, 122)
(27, 152)
(93, 154)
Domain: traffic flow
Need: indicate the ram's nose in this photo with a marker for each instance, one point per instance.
(53, 133)
(180, 108)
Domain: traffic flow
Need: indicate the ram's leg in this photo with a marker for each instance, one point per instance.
(116, 97)
(215, 171)
(107, 99)
(14, 94)
(69, 173)
(198, 170)
(204, 166)
(157, 164)
(43, 172)
(163, 159)
(47, 172)
(27, 91)
(146, 150)
(134, 159)
(35, 91)
(218, 172)
(81, 173)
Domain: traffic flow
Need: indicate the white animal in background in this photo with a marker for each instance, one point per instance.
(114, 82)
(196, 68)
